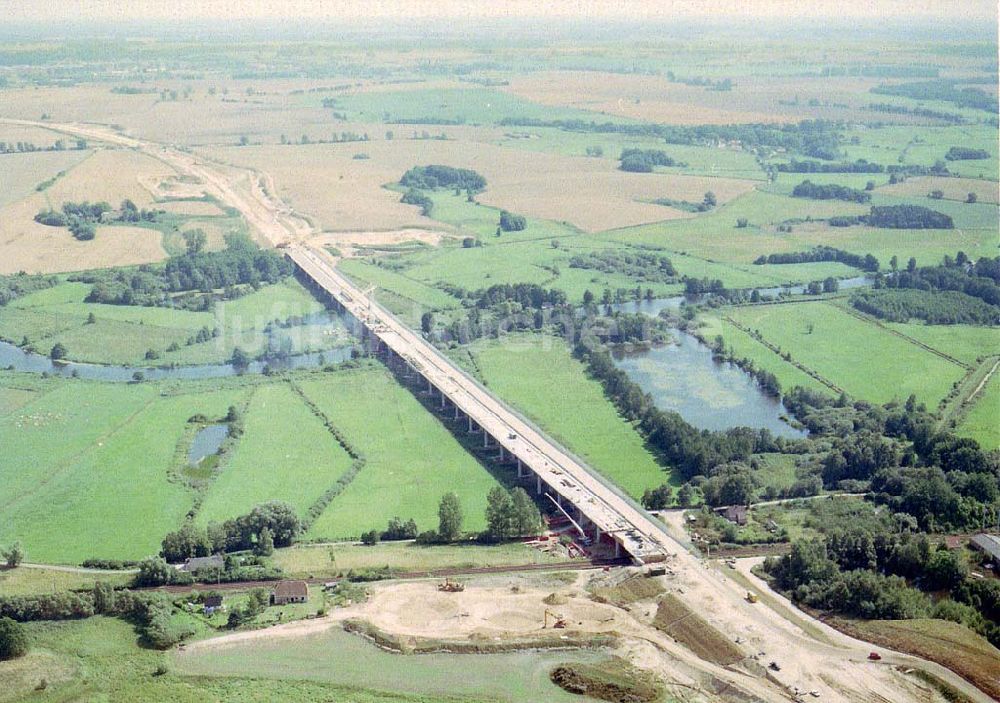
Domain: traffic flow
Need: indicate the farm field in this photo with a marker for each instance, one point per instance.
(524, 370)
(23, 173)
(285, 454)
(32, 581)
(412, 459)
(541, 185)
(826, 338)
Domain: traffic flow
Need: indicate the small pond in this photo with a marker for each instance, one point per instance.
(207, 442)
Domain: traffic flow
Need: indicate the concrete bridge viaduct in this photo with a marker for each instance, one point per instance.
(599, 508)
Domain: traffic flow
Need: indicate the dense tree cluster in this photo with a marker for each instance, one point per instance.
(643, 160)
(528, 295)
(418, 197)
(511, 514)
(822, 253)
(635, 264)
(436, 176)
(240, 264)
(509, 222)
(830, 191)
(934, 307)
(279, 520)
(963, 153)
(908, 217)
(942, 90)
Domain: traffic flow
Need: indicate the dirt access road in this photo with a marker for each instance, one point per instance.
(810, 657)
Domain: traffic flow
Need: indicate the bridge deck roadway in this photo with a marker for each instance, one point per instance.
(637, 533)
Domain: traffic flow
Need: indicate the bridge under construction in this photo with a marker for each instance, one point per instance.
(594, 506)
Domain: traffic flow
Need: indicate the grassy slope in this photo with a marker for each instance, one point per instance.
(891, 368)
(284, 454)
(953, 645)
(412, 459)
(539, 376)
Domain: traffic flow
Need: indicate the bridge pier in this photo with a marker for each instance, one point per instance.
(520, 469)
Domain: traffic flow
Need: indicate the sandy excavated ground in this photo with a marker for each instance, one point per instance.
(349, 243)
(489, 609)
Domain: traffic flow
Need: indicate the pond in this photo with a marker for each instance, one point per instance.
(337, 657)
(711, 395)
(207, 442)
(14, 357)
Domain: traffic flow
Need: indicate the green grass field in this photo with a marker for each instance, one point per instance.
(982, 422)
(87, 469)
(467, 105)
(856, 355)
(285, 454)
(412, 458)
(537, 375)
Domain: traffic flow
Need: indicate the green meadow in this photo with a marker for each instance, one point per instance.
(411, 457)
(538, 376)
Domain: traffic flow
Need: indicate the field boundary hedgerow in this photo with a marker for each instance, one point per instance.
(358, 460)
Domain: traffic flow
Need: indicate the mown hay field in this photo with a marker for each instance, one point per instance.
(341, 192)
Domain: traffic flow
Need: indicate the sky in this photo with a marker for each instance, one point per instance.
(346, 10)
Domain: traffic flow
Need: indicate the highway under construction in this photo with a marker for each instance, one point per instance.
(593, 505)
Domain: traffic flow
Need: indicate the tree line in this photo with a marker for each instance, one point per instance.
(830, 191)
(816, 138)
(821, 253)
(242, 263)
(635, 264)
(643, 160)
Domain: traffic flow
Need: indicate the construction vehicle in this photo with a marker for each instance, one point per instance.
(449, 586)
(874, 656)
(752, 597)
(559, 622)
(774, 666)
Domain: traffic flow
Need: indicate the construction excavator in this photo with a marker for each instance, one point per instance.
(558, 621)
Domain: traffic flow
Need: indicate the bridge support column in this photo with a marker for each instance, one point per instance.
(520, 469)
(486, 439)
(430, 388)
(442, 401)
(456, 412)
(502, 457)
(618, 549)
(538, 485)
(469, 418)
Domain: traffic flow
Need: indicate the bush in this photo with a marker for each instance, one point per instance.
(13, 639)
(369, 538)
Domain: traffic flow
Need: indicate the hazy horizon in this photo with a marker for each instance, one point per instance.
(30, 11)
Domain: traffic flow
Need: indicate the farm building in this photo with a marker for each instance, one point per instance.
(193, 564)
(290, 592)
(734, 513)
(989, 545)
(211, 604)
